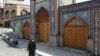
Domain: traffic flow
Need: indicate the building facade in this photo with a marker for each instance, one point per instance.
(21, 26)
(3, 2)
(71, 18)
(13, 10)
(45, 26)
(13, 1)
(75, 25)
(1, 17)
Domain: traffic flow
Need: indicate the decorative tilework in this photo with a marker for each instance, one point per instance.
(80, 6)
(18, 26)
(52, 25)
(83, 14)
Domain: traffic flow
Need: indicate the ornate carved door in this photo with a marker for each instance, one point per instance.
(76, 33)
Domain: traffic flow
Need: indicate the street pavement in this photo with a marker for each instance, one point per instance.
(6, 50)
(45, 50)
(42, 49)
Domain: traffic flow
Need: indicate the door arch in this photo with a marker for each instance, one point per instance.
(26, 31)
(43, 25)
(73, 33)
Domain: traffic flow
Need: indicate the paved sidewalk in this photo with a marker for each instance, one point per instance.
(6, 50)
(45, 50)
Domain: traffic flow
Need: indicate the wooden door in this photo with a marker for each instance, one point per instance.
(69, 37)
(43, 21)
(76, 33)
(81, 37)
(76, 37)
(43, 32)
(26, 31)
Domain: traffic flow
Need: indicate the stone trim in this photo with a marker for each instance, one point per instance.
(79, 6)
(41, 1)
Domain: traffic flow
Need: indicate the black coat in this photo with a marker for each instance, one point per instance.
(31, 47)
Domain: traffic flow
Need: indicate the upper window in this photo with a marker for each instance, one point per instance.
(79, 1)
(69, 2)
(65, 2)
(7, 14)
(37, 1)
(13, 13)
(24, 12)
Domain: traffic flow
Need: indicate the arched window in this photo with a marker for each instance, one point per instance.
(13, 13)
(23, 12)
(6, 14)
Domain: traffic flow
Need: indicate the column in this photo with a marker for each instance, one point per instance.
(53, 23)
(32, 20)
